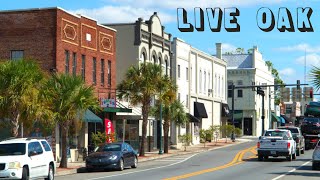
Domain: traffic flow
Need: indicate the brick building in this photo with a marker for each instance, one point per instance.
(64, 43)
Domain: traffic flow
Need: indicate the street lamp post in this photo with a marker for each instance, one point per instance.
(160, 148)
(232, 114)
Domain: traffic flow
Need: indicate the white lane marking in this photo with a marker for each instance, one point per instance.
(164, 160)
(292, 170)
(145, 169)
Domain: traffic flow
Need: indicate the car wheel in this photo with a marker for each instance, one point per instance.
(25, 173)
(135, 163)
(50, 173)
(314, 166)
(120, 165)
(298, 152)
(294, 156)
(289, 158)
(260, 157)
(266, 157)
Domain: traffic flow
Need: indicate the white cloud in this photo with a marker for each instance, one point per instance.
(300, 47)
(122, 14)
(287, 72)
(190, 4)
(311, 60)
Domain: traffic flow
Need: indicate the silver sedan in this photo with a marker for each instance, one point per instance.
(316, 157)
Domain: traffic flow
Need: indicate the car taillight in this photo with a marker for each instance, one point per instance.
(288, 145)
(258, 144)
(314, 140)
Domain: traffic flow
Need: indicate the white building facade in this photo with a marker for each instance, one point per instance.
(141, 41)
(201, 80)
(246, 70)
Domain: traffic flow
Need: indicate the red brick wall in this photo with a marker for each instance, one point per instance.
(32, 31)
(45, 34)
(72, 36)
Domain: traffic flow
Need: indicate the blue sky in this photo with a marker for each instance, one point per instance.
(285, 50)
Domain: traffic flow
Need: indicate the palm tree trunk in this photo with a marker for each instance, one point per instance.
(64, 162)
(144, 129)
(166, 134)
(15, 125)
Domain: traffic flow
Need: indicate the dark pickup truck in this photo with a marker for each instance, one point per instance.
(310, 129)
(298, 137)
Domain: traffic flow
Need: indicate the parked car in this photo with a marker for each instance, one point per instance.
(275, 143)
(113, 155)
(298, 137)
(313, 109)
(316, 157)
(310, 129)
(24, 158)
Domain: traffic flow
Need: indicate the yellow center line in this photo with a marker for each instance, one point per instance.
(238, 159)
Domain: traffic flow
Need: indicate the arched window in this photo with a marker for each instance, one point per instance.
(167, 68)
(154, 60)
(143, 57)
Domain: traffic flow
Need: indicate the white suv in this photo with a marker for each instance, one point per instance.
(24, 158)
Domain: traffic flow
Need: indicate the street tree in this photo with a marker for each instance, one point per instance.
(172, 111)
(277, 80)
(315, 77)
(21, 102)
(140, 85)
(68, 97)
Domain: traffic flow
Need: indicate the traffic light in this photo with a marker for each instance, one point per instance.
(311, 93)
(298, 84)
(260, 91)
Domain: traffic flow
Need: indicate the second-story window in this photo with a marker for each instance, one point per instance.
(240, 93)
(200, 81)
(187, 100)
(205, 82)
(178, 71)
(109, 73)
(187, 74)
(102, 72)
(74, 64)
(229, 89)
(94, 71)
(67, 56)
(83, 66)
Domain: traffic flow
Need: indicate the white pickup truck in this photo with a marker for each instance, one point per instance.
(276, 142)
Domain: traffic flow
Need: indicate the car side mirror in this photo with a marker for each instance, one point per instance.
(259, 137)
(32, 153)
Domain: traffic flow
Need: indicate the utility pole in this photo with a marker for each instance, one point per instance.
(261, 93)
(232, 114)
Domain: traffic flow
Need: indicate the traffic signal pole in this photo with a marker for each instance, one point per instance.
(232, 114)
(260, 92)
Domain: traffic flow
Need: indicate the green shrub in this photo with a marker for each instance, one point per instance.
(186, 140)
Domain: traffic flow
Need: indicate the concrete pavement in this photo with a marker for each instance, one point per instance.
(75, 167)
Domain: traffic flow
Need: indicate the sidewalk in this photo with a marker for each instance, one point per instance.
(75, 167)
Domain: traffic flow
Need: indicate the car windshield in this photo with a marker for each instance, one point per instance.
(311, 120)
(109, 147)
(275, 133)
(293, 130)
(12, 149)
(314, 103)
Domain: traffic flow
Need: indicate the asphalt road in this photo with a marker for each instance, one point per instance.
(233, 162)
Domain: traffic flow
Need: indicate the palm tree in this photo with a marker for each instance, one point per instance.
(68, 95)
(20, 100)
(140, 86)
(172, 110)
(315, 77)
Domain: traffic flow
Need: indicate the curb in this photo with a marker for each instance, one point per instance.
(74, 171)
